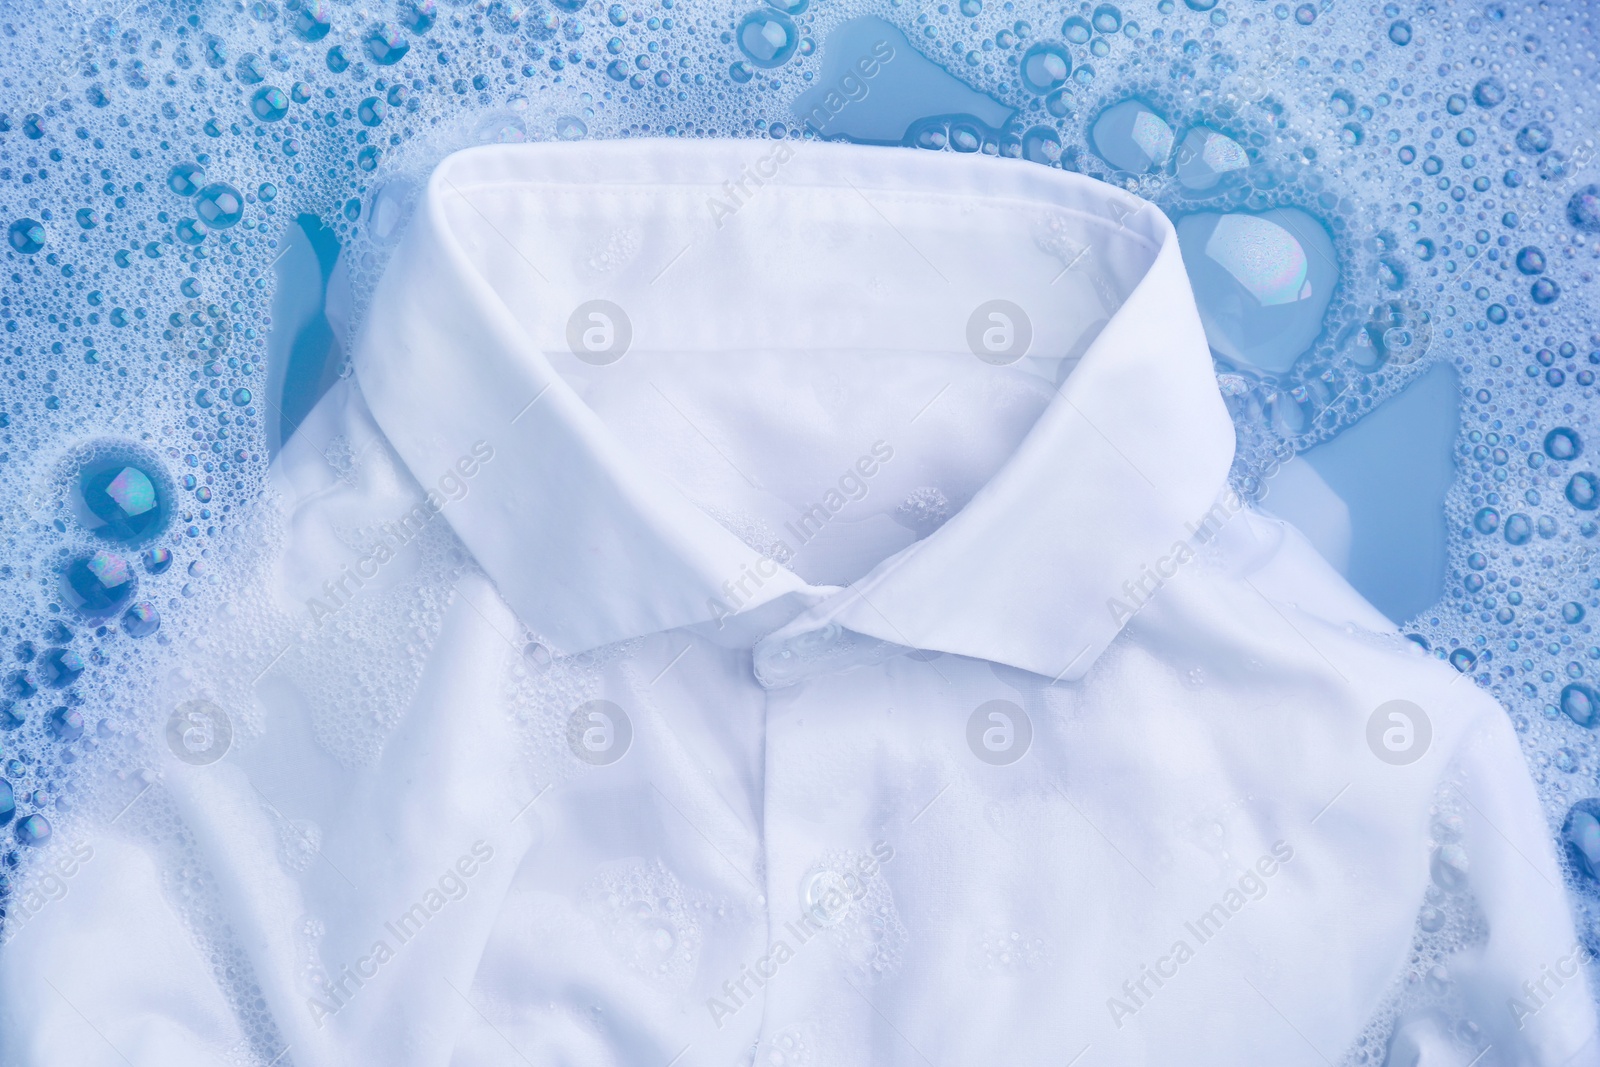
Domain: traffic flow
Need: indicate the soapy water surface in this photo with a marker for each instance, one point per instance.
(1390, 215)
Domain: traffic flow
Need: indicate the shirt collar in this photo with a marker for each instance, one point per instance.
(1038, 571)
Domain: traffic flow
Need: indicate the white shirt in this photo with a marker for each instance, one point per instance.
(798, 658)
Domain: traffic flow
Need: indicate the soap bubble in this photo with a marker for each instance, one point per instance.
(1583, 210)
(141, 620)
(313, 20)
(33, 831)
(1489, 92)
(269, 104)
(385, 44)
(767, 38)
(119, 499)
(1580, 705)
(219, 205)
(185, 179)
(98, 584)
(1583, 491)
(27, 236)
(1132, 137)
(1562, 443)
(1045, 68)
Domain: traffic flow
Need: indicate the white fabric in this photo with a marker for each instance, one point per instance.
(1188, 685)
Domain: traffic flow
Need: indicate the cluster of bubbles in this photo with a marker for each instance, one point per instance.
(1361, 194)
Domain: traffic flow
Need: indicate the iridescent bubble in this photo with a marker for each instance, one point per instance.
(1463, 660)
(248, 69)
(571, 128)
(767, 38)
(1583, 491)
(1077, 30)
(97, 585)
(118, 500)
(34, 830)
(1530, 260)
(1400, 32)
(1544, 291)
(1534, 138)
(269, 104)
(1553, 166)
(337, 61)
(60, 667)
(1486, 521)
(1579, 703)
(27, 236)
(1206, 158)
(189, 232)
(1490, 92)
(66, 724)
(507, 15)
(1519, 529)
(8, 802)
(1572, 613)
(1041, 144)
(313, 20)
(1044, 68)
(1261, 282)
(156, 560)
(1562, 443)
(418, 16)
(185, 178)
(219, 205)
(141, 620)
(88, 218)
(371, 110)
(1580, 833)
(1131, 137)
(1107, 19)
(1583, 210)
(385, 44)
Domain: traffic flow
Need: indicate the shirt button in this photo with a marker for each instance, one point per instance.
(814, 642)
(781, 662)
